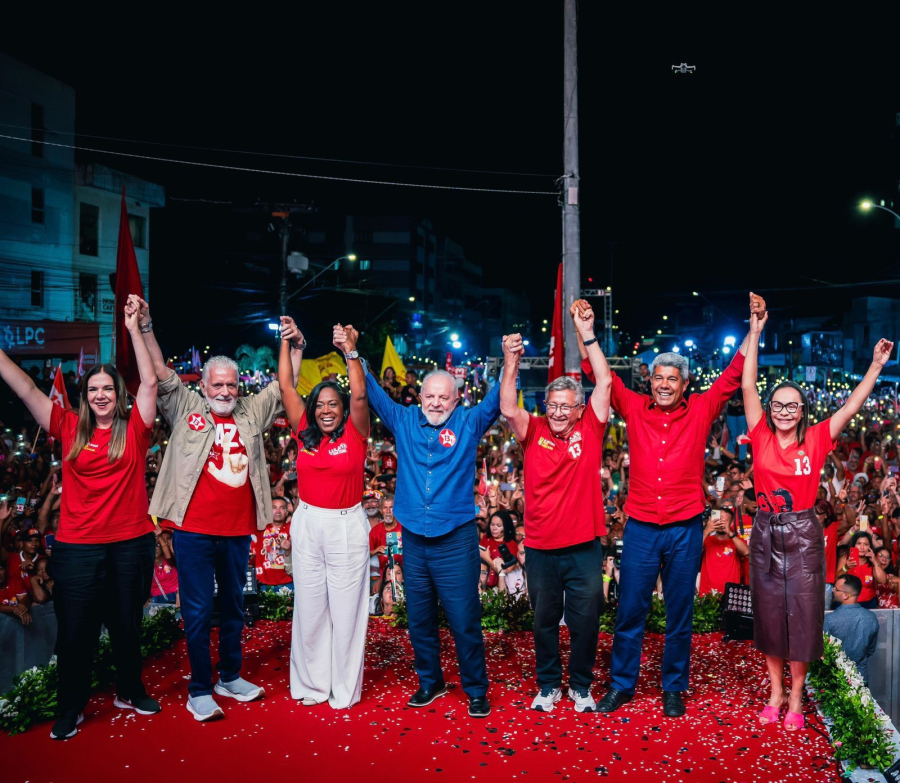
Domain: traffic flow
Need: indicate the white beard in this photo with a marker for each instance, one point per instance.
(220, 407)
(436, 419)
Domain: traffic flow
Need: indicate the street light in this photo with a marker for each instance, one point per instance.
(334, 264)
(454, 337)
(867, 205)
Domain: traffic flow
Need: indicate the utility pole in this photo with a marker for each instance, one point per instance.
(571, 216)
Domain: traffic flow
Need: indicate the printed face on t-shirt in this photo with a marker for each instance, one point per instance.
(228, 461)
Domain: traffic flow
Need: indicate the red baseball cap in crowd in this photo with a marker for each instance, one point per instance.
(30, 532)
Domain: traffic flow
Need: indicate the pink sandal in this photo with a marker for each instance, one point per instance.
(794, 721)
(768, 715)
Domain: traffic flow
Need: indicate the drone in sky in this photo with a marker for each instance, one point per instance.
(684, 68)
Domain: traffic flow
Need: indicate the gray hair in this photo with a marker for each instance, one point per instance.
(438, 374)
(218, 361)
(564, 383)
(671, 360)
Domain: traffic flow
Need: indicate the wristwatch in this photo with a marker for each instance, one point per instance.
(586, 343)
(298, 346)
(352, 355)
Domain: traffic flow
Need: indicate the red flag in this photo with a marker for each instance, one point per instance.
(128, 281)
(58, 395)
(557, 356)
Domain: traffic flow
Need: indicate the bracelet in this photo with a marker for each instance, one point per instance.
(298, 346)
(733, 535)
(147, 327)
(586, 343)
(607, 578)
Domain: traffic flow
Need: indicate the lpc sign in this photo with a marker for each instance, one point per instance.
(49, 338)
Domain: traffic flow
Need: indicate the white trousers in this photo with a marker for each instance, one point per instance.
(330, 557)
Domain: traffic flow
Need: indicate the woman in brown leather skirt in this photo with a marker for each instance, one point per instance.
(787, 545)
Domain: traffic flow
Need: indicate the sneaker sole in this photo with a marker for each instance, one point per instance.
(222, 691)
(426, 703)
(199, 717)
(72, 733)
(124, 705)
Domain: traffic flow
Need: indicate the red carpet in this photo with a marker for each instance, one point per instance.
(381, 740)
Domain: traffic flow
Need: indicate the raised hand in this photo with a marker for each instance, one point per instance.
(883, 352)
(345, 337)
(757, 322)
(757, 305)
(577, 306)
(513, 345)
(584, 320)
(289, 330)
(132, 310)
(143, 309)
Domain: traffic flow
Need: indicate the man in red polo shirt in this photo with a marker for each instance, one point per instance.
(564, 516)
(667, 436)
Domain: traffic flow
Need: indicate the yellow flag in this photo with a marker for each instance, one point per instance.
(392, 359)
(521, 399)
(312, 371)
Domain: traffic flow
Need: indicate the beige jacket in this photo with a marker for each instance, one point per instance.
(193, 435)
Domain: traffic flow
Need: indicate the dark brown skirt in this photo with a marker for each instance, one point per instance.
(787, 582)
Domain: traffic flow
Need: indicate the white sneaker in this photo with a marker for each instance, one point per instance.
(546, 698)
(584, 702)
(204, 708)
(239, 689)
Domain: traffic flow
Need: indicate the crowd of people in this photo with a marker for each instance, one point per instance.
(363, 495)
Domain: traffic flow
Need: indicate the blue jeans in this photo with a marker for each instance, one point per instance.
(737, 425)
(445, 567)
(200, 559)
(675, 550)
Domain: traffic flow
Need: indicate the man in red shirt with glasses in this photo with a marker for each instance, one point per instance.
(667, 436)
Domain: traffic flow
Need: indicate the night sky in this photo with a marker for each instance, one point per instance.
(745, 174)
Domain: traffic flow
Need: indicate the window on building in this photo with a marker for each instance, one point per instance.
(365, 265)
(37, 205)
(137, 224)
(87, 290)
(89, 229)
(37, 288)
(37, 130)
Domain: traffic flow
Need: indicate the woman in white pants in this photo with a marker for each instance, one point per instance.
(330, 532)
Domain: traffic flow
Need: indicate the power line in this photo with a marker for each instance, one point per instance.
(282, 154)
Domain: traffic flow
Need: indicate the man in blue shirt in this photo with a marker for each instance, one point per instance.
(436, 450)
(854, 625)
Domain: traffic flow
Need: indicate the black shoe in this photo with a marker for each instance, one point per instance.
(142, 705)
(479, 706)
(66, 728)
(423, 697)
(612, 700)
(673, 706)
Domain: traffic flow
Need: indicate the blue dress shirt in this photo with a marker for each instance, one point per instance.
(435, 465)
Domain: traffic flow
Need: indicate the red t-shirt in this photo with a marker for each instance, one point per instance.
(15, 573)
(332, 476)
(563, 495)
(270, 556)
(223, 502)
(102, 502)
(165, 580)
(864, 572)
(787, 479)
(493, 547)
(378, 536)
(721, 564)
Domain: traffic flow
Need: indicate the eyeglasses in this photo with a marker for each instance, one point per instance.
(790, 407)
(552, 407)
